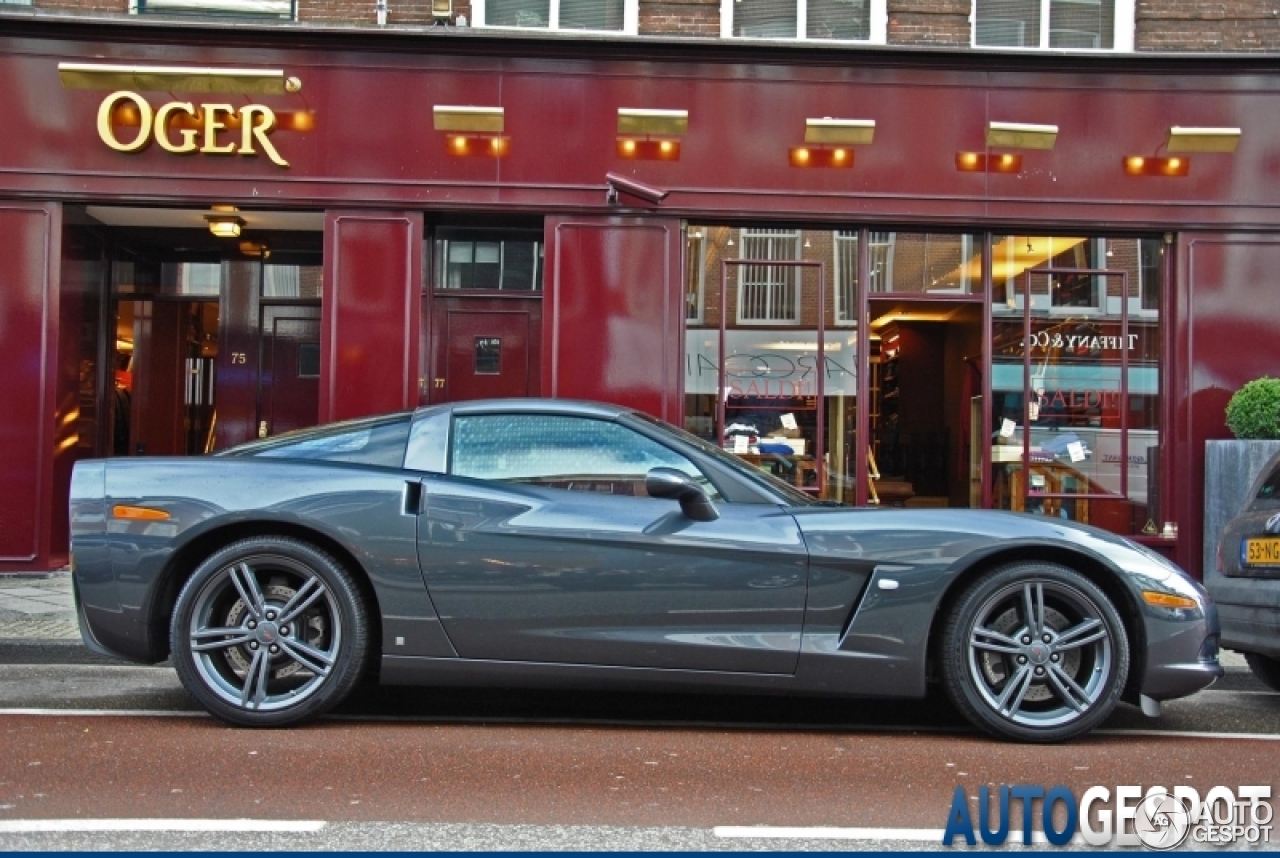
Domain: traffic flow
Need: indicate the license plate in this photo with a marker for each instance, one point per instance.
(1260, 551)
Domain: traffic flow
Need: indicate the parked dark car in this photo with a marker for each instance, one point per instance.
(549, 543)
(1247, 586)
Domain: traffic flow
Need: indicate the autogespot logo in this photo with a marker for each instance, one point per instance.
(1157, 818)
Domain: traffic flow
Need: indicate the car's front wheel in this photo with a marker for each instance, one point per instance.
(1264, 667)
(269, 631)
(1034, 652)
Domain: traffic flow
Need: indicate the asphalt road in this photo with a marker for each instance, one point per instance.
(92, 743)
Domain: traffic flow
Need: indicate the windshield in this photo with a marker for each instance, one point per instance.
(753, 474)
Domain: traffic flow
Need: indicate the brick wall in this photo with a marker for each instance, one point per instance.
(96, 6)
(1195, 25)
(680, 18)
(415, 13)
(929, 22)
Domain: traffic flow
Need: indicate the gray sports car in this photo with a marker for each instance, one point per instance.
(558, 544)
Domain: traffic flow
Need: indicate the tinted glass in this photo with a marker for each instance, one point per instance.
(574, 453)
(365, 443)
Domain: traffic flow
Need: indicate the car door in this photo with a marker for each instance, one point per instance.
(541, 545)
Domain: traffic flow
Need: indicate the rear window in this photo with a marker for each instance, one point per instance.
(364, 443)
(1270, 488)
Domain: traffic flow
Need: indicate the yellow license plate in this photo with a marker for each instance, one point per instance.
(1261, 551)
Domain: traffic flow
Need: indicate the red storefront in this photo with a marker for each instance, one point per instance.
(1027, 282)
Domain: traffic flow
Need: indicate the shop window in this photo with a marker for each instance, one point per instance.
(825, 20)
(925, 263)
(615, 16)
(240, 8)
(1096, 25)
(1075, 408)
(506, 260)
(769, 294)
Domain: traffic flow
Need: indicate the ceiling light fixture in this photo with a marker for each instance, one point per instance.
(224, 223)
(977, 162)
(839, 132)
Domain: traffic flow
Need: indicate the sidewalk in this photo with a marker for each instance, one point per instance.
(37, 606)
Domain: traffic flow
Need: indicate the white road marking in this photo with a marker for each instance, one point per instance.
(62, 826)
(1191, 734)
(772, 832)
(919, 835)
(106, 713)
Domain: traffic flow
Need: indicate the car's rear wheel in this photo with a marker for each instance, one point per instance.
(1264, 667)
(269, 631)
(1034, 652)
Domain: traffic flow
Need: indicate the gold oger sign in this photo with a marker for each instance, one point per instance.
(184, 128)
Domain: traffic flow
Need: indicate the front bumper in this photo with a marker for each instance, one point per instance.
(1182, 653)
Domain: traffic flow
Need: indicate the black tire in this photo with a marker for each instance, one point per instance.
(1266, 668)
(270, 631)
(1034, 652)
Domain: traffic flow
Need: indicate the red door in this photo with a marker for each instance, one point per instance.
(484, 354)
(289, 384)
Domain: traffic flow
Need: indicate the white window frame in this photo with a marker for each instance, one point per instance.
(877, 35)
(695, 249)
(1123, 28)
(844, 267)
(630, 20)
(276, 8)
(791, 272)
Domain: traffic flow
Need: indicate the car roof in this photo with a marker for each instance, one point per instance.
(532, 405)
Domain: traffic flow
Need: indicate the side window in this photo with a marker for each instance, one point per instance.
(573, 453)
(367, 443)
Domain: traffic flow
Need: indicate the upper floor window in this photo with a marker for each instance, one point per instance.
(1098, 25)
(254, 8)
(610, 16)
(834, 20)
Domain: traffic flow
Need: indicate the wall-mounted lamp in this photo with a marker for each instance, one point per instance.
(978, 162)
(828, 142)
(649, 134)
(806, 156)
(468, 118)
(652, 122)
(224, 222)
(839, 132)
(442, 8)
(1021, 135)
(1139, 165)
(142, 78)
(1202, 139)
(472, 131)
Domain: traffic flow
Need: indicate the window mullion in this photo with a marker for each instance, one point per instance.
(553, 14)
(1045, 15)
(802, 18)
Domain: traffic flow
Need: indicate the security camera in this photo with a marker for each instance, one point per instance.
(621, 184)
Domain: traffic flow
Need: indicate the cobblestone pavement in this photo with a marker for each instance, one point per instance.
(37, 606)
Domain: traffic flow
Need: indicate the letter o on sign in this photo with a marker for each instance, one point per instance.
(107, 133)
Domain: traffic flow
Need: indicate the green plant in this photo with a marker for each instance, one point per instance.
(1254, 410)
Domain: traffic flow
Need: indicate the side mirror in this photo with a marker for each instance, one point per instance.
(677, 485)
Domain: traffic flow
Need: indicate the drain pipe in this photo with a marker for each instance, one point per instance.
(381, 9)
